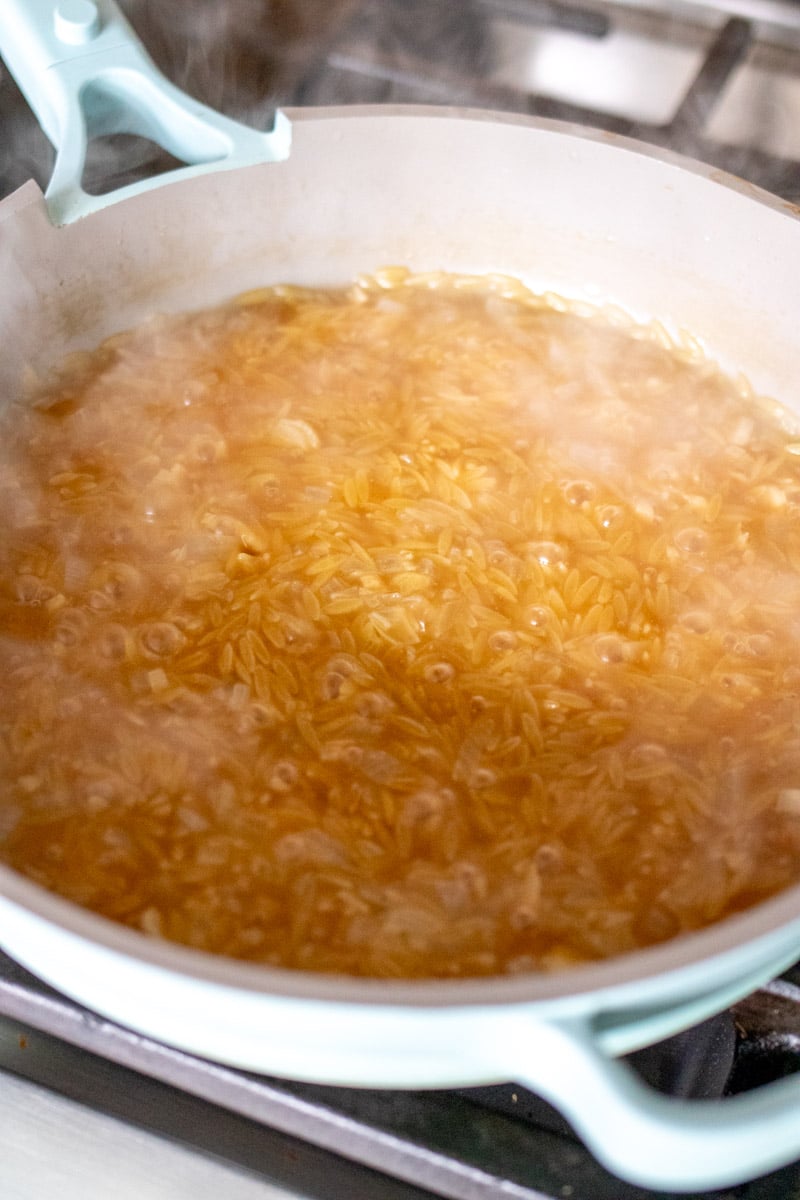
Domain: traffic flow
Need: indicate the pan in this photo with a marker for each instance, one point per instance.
(323, 195)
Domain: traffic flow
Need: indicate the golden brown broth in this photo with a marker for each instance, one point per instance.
(403, 630)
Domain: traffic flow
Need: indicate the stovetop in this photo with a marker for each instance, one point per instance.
(109, 1098)
(86, 1103)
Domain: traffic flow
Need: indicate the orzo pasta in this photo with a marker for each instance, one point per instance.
(421, 628)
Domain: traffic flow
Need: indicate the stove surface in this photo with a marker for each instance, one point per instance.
(94, 1094)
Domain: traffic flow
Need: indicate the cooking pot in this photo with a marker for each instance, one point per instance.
(584, 214)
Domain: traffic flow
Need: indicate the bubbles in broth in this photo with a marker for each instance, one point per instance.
(416, 629)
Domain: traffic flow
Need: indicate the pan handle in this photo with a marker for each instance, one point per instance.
(85, 74)
(640, 1134)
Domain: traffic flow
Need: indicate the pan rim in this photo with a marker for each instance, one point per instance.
(709, 949)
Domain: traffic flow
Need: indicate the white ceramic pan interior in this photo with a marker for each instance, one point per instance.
(580, 213)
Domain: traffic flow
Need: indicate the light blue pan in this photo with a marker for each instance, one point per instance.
(590, 216)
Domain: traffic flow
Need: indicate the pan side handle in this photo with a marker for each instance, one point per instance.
(644, 1136)
(85, 74)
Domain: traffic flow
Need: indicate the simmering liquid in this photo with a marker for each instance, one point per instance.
(421, 628)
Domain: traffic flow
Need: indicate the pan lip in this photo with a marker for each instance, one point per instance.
(712, 174)
(646, 971)
(715, 176)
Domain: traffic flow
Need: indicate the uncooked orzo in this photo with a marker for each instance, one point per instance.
(421, 628)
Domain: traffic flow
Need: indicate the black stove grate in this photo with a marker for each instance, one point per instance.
(436, 52)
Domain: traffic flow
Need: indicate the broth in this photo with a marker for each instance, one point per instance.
(423, 628)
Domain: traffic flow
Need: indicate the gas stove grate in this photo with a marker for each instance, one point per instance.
(718, 83)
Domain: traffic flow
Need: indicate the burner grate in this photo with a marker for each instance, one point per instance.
(719, 83)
